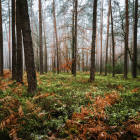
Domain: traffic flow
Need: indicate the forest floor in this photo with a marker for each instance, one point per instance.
(70, 108)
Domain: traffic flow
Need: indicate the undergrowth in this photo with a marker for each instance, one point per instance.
(68, 107)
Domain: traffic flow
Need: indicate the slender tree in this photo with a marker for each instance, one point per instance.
(135, 41)
(45, 50)
(28, 46)
(14, 52)
(106, 60)
(75, 51)
(40, 38)
(19, 46)
(56, 36)
(1, 43)
(126, 38)
(101, 30)
(113, 44)
(92, 69)
(73, 39)
(9, 44)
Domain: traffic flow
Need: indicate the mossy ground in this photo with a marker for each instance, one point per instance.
(59, 96)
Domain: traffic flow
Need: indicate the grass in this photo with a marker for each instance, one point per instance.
(64, 102)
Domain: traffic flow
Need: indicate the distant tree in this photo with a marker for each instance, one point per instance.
(92, 69)
(19, 46)
(1, 43)
(14, 51)
(135, 41)
(28, 46)
(126, 38)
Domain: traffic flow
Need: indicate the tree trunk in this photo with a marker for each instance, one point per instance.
(75, 38)
(126, 39)
(9, 37)
(14, 51)
(135, 41)
(19, 46)
(56, 35)
(1, 43)
(28, 47)
(106, 61)
(101, 31)
(45, 51)
(92, 69)
(113, 44)
(40, 38)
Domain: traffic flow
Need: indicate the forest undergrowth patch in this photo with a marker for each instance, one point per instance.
(67, 107)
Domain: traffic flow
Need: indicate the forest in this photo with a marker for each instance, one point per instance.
(69, 70)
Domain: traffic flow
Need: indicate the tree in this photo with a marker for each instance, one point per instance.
(101, 30)
(40, 38)
(45, 51)
(135, 41)
(106, 61)
(28, 47)
(19, 46)
(75, 38)
(113, 44)
(56, 35)
(1, 43)
(92, 69)
(9, 37)
(14, 65)
(126, 38)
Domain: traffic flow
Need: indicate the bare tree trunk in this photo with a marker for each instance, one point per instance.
(92, 69)
(45, 51)
(1, 43)
(14, 51)
(19, 46)
(28, 46)
(107, 41)
(101, 31)
(126, 39)
(56, 36)
(113, 44)
(40, 37)
(9, 37)
(75, 37)
(135, 41)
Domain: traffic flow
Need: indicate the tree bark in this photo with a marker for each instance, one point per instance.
(40, 38)
(92, 69)
(19, 46)
(14, 51)
(126, 39)
(28, 47)
(135, 41)
(113, 44)
(1, 43)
